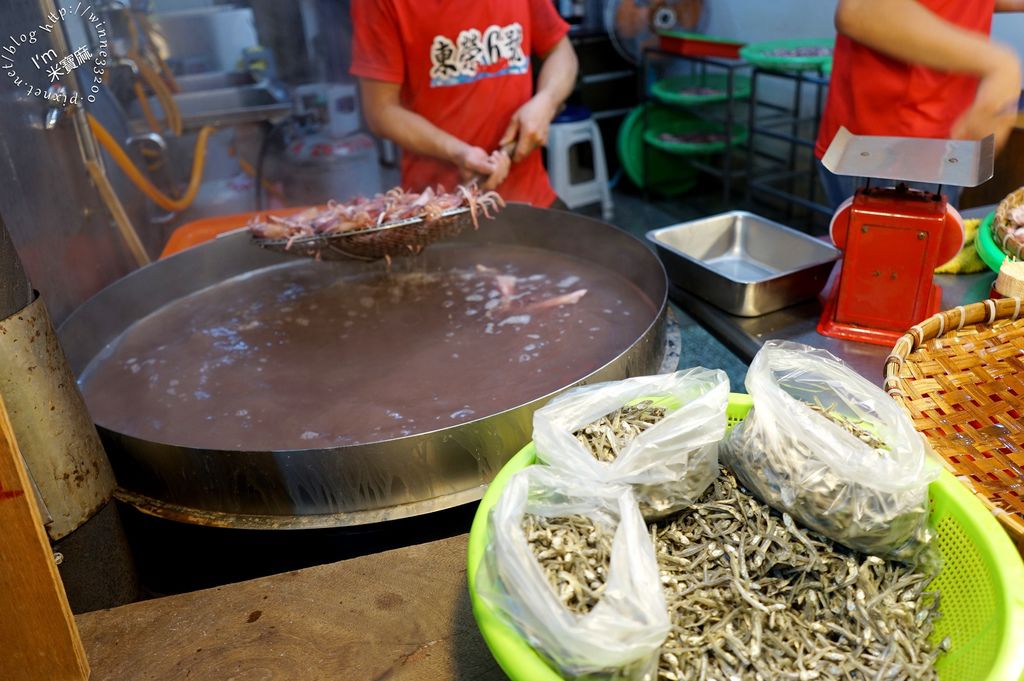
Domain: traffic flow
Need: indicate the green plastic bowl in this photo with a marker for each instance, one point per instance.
(757, 54)
(683, 126)
(981, 582)
(985, 244)
(666, 173)
(668, 90)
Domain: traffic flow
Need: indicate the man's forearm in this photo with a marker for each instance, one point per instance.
(908, 31)
(413, 132)
(1010, 5)
(387, 117)
(557, 75)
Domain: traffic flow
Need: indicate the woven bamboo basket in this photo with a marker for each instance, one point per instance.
(1002, 226)
(960, 377)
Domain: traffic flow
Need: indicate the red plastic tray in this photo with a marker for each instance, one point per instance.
(695, 45)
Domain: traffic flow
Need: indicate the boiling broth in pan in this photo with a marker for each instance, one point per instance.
(296, 357)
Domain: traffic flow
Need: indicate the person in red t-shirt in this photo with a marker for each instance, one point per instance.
(918, 68)
(450, 82)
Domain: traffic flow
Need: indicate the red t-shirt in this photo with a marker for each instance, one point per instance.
(465, 67)
(871, 94)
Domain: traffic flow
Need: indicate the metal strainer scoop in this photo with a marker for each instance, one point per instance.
(304, 234)
(390, 225)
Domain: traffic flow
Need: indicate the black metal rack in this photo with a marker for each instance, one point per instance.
(781, 175)
(727, 170)
(606, 85)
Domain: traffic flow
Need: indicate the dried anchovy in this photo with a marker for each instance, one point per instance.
(862, 434)
(575, 555)
(772, 463)
(751, 595)
(610, 434)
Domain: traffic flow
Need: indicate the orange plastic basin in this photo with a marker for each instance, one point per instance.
(200, 231)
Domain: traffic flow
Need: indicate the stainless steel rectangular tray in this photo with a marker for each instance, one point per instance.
(743, 263)
(224, 106)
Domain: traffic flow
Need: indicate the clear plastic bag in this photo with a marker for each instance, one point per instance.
(670, 464)
(833, 450)
(620, 638)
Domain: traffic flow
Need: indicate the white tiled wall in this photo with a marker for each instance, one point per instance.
(757, 20)
(1009, 28)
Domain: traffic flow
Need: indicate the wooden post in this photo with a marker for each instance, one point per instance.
(38, 637)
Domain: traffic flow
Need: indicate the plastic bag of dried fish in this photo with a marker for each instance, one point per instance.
(571, 566)
(827, 446)
(667, 449)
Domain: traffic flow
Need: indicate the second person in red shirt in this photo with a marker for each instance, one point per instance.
(450, 82)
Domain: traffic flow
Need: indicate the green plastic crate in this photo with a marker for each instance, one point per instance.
(981, 582)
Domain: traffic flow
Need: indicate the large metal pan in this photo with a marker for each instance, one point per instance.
(357, 484)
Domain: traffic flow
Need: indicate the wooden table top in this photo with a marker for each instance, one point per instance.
(396, 615)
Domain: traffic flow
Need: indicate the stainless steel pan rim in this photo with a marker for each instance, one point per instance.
(252, 521)
(355, 484)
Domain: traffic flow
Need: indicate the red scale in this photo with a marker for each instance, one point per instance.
(893, 238)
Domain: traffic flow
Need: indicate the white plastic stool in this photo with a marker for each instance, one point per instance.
(564, 134)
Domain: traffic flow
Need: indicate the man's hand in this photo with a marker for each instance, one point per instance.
(476, 164)
(504, 162)
(387, 117)
(529, 126)
(994, 110)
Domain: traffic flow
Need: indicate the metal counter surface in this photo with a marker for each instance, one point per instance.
(745, 335)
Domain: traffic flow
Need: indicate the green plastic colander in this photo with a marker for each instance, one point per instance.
(673, 90)
(981, 582)
(665, 173)
(985, 244)
(759, 54)
(685, 126)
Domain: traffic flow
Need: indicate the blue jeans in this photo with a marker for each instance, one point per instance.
(838, 188)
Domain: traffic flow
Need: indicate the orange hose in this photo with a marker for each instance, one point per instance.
(251, 172)
(166, 72)
(133, 33)
(140, 95)
(152, 78)
(109, 197)
(150, 31)
(140, 181)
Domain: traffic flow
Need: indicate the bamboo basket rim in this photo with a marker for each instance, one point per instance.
(984, 313)
(1001, 230)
